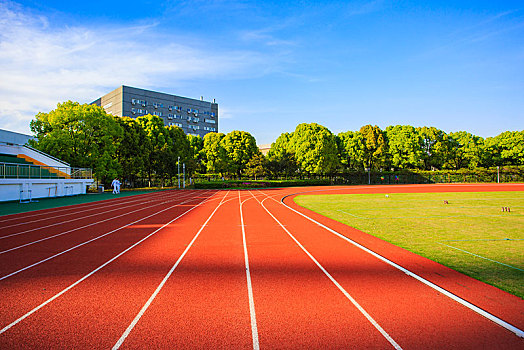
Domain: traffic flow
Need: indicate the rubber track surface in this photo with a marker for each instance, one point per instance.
(174, 274)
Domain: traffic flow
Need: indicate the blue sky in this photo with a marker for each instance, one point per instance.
(274, 64)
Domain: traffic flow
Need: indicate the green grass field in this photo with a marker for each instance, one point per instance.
(471, 234)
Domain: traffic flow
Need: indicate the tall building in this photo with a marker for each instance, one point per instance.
(195, 117)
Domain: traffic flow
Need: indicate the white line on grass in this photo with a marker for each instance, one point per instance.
(479, 256)
(335, 282)
(161, 285)
(88, 241)
(254, 329)
(458, 299)
(93, 272)
(91, 224)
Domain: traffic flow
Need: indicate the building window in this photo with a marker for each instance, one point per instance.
(133, 110)
(210, 121)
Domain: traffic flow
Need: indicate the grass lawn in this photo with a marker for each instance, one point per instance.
(471, 234)
(14, 207)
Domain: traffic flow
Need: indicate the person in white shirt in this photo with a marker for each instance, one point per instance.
(116, 186)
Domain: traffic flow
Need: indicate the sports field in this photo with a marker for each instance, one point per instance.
(238, 269)
(470, 233)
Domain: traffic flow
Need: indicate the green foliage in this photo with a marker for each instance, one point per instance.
(351, 149)
(240, 147)
(375, 146)
(257, 166)
(133, 149)
(404, 146)
(465, 150)
(215, 154)
(199, 155)
(505, 149)
(80, 134)
(435, 147)
(315, 148)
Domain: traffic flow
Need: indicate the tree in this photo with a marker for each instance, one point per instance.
(133, 149)
(256, 166)
(435, 147)
(216, 159)
(506, 148)
(178, 146)
(159, 142)
(199, 155)
(404, 146)
(465, 150)
(375, 146)
(315, 148)
(280, 147)
(350, 149)
(80, 134)
(240, 147)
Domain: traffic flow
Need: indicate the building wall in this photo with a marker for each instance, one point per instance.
(195, 117)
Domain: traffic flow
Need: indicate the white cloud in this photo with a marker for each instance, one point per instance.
(43, 63)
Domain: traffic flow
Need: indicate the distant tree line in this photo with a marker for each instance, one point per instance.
(144, 149)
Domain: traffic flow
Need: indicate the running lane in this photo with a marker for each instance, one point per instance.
(204, 304)
(68, 236)
(413, 314)
(24, 292)
(297, 306)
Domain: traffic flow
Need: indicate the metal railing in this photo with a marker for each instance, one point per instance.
(28, 171)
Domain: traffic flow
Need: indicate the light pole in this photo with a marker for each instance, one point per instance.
(369, 175)
(178, 164)
(498, 174)
(184, 168)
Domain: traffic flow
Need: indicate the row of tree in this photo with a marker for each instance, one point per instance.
(316, 150)
(86, 136)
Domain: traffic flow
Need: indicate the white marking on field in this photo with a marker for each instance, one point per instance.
(254, 329)
(334, 281)
(163, 282)
(479, 256)
(92, 272)
(519, 332)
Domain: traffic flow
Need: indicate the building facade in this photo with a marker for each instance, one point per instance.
(195, 117)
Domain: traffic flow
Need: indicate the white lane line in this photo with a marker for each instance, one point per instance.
(93, 272)
(100, 212)
(89, 225)
(73, 207)
(479, 256)
(254, 329)
(89, 241)
(75, 212)
(161, 285)
(458, 299)
(334, 281)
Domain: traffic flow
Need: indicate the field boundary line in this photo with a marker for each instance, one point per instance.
(88, 225)
(126, 203)
(334, 281)
(164, 280)
(495, 319)
(87, 242)
(94, 271)
(480, 256)
(253, 317)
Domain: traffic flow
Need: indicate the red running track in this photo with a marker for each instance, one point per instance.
(234, 269)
